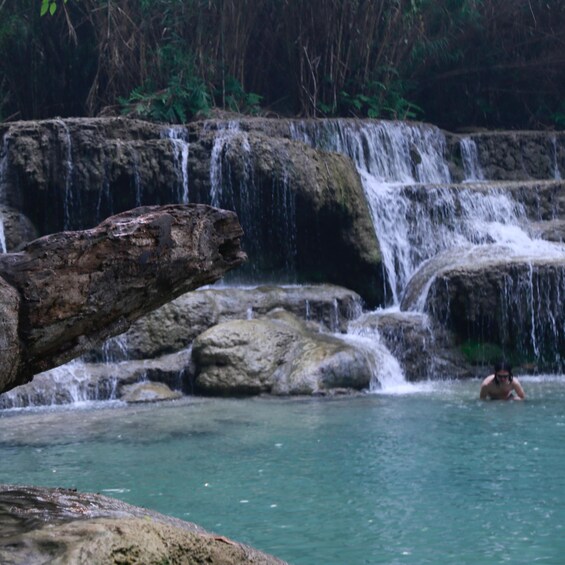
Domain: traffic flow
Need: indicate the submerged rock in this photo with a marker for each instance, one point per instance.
(64, 527)
(279, 356)
(148, 392)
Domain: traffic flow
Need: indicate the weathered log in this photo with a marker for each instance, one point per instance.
(79, 288)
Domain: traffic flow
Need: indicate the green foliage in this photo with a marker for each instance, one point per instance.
(454, 62)
(49, 6)
(177, 103)
(233, 97)
(559, 115)
(486, 353)
(380, 101)
(481, 353)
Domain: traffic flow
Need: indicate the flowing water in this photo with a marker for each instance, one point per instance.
(422, 474)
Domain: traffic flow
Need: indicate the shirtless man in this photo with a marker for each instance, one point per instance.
(502, 385)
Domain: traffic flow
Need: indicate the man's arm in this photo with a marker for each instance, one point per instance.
(483, 395)
(518, 389)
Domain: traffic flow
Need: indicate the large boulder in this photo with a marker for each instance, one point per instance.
(279, 356)
(64, 527)
(76, 289)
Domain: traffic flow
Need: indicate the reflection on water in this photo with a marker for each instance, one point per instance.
(434, 476)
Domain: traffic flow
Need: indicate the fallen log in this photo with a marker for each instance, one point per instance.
(67, 292)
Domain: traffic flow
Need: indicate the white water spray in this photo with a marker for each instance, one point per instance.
(179, 140)
(69, 200)
(470, 157)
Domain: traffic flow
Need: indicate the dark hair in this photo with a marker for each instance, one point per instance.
(503, 366)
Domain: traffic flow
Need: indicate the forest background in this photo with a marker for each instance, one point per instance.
(455, 63)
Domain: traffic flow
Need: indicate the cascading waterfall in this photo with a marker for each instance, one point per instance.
(266, 212)
(68, 384)
(470, 157)
(178, 137)
(388, 155)
(387, 374)
(70, 199)
(556, 171)
(221, 140)
(419, 216)
(3, 174)
(423, 221)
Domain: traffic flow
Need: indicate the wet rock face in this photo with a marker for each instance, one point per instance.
(73, 173)
(303, 210)
(42, 525)
(514, 156)
(514, 304)
(79, 288)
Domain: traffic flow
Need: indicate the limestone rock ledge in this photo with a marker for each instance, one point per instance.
(64, 527)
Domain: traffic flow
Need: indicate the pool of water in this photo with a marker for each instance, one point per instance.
(428, 474)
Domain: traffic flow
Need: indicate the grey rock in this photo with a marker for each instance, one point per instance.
(278, 356)
(148, 392)
(65, 527)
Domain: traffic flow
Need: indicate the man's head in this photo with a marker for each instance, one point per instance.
(502, 373)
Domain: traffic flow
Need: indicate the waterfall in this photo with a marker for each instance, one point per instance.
(427, 225)
(391, 152)
(115, 349)
(178, 137)
(223, 137)
(386, 372)
(470, 157)
(266, 208)
(137, 177)
(68, 384)
(556, 171)
(70, 203)
(3, 180)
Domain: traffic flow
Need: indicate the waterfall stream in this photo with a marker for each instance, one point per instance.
(3, 180)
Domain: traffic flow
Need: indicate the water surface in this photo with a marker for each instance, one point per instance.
(424, 474)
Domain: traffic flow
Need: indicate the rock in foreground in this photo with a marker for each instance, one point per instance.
(64, 527)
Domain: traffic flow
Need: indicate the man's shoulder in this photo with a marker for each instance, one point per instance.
(488, 380)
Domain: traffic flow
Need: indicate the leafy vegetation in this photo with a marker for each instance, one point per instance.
(495, 63)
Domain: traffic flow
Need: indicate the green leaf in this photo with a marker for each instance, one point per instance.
(44, 7)
(52, 8)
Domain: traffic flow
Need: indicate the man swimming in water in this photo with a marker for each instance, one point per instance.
(502, 385)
